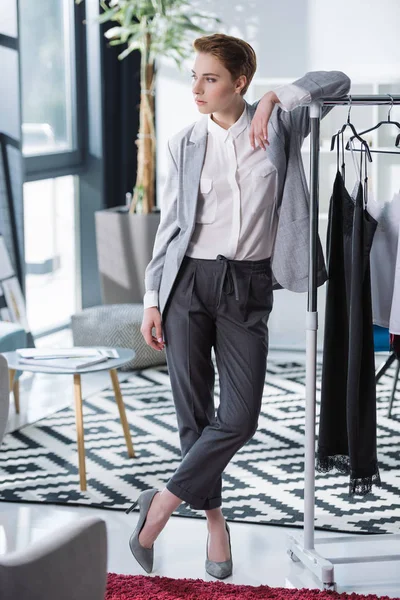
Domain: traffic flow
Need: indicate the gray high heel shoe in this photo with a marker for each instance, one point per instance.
(220, 570)
(144, 556)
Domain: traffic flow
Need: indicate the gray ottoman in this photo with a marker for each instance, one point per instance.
(116, 325)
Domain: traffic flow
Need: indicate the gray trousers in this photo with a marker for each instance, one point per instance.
(223, 304)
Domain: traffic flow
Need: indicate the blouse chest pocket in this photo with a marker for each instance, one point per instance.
(263, 170)
(263, 177)
(206, 210)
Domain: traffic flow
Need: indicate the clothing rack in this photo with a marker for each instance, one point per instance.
(304, 550)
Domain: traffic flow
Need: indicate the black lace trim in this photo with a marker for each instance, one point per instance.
(363, 485)
(360, 486)
(340, 462)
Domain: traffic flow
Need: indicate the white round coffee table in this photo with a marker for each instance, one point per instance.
(111, 364)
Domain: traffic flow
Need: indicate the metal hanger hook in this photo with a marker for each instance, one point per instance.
(391, 106)
(348, 114)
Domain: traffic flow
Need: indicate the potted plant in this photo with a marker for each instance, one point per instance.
(125, 235)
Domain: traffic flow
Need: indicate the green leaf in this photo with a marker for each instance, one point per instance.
(192, 27)
(131, 47)
(113, 32)
(128, 15)
(116, 42)
(205, 16)
(156, 6)
(107, 16)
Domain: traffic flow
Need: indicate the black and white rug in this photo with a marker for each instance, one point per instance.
(264, 483)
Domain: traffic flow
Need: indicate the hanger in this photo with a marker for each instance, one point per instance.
(387, 122)
(335, 138)
(339, 137)
(359, 169)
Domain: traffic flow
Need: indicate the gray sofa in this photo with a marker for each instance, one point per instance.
(69, 564)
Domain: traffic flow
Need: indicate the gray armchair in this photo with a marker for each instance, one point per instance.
(4, 396)
(69, 564)
(12, 337)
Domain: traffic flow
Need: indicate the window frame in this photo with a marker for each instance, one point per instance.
(68, 162)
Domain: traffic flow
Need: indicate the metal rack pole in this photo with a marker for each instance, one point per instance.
(311, 336)
(359, 100)
(303, 550)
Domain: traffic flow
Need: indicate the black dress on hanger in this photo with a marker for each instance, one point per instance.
(347, 426)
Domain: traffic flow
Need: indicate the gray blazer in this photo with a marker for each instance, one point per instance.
(186, 153)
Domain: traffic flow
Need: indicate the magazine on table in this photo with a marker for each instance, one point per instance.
(65, 358)
(76, 352)
(63, 363)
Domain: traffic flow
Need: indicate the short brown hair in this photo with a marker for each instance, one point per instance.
(235, 54)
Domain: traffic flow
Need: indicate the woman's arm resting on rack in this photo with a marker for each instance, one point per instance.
(287, 97)
(318, 84)
(259, 124)
(294, 99)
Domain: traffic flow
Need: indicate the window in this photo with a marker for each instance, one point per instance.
(50, 252)
(50, 127)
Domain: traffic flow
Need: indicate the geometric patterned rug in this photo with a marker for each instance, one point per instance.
(263, 483)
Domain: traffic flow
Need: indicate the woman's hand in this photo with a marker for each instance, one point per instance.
(152, 318)
(259, 123)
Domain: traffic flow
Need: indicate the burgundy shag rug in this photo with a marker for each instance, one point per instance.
(141, 587)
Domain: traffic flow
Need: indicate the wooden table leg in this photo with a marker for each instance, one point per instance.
(16, 395)
(79, 430)
(14, 387)
(122, 413)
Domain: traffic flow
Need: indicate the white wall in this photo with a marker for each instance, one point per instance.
(290, 38)
(359, 36)
(8, 19)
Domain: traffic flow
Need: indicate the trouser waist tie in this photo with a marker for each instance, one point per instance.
(229, 271)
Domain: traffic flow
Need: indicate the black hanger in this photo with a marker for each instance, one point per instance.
(335, 138)
(387, 122)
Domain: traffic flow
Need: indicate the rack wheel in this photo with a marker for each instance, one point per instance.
(330, 587)
(293, 556)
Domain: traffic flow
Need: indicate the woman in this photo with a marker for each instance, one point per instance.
(235, 199)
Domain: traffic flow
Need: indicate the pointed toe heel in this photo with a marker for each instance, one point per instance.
(130, 509)
(144, 556)
(220, 570)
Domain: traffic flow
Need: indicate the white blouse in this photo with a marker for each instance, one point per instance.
(236, 209)
(236, 213)
(385, 263)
